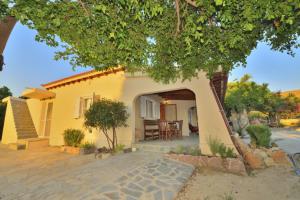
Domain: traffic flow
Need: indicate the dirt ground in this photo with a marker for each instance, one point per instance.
(275, 183)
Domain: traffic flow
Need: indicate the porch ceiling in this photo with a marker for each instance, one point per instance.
(36, 93)
(178, 95)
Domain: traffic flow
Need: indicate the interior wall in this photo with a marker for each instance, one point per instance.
(139, 121)
(182, 113)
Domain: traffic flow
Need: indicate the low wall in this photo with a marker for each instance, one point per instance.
(231, 165)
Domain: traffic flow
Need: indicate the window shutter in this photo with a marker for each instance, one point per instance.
(96, 98)
(156, 110)
(143, 106)
(77, 108)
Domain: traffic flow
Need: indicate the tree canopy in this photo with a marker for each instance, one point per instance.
(4, 92)
(169, 39)
(251, 96)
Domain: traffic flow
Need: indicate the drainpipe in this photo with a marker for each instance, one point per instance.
(6, 26)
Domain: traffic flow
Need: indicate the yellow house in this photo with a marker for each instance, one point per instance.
(60, 105)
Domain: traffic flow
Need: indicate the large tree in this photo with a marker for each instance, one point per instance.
(247, 95)
(169, 39)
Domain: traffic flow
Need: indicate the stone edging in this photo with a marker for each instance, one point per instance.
(231, 165)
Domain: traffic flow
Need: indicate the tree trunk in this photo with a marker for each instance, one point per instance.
(6, 26)
(240, 121)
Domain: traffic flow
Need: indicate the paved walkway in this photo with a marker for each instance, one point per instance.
(49, 174)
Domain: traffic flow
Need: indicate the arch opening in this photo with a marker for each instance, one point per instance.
(172, 107)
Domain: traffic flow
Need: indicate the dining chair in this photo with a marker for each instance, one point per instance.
(178, 130)
(164, 130)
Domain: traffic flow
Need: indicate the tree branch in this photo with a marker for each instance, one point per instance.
(178, 16)
(84, 8)
(191, 2)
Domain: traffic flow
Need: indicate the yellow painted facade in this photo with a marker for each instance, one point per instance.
(126, 88)
(9, 134)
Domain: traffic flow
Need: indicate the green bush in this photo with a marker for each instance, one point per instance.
(88, 145)
(219, 148)
(187, 150)
(119, 148)
(257, 115)
(73, 137)
(260, 135)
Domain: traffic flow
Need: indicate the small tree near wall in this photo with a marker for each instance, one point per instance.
(105, 115)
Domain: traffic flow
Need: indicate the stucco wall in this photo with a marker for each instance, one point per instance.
(120, 87)
(34, 107)
(9, 131)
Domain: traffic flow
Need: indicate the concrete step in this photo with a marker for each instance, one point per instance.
(34, 143)
(153, 148)
(27, 136)
(16, 146)
(27, 130)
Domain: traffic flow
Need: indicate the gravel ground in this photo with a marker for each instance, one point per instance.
(276, 183)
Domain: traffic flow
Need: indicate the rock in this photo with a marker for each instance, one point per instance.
(269, 162)
(236, 166)
(280, 157)
(261, 153)
(216, 163)
(254, 160)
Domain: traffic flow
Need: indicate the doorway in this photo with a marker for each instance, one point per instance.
(170, 112)
(46, 119)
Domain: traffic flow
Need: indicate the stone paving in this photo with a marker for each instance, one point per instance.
(49, 174)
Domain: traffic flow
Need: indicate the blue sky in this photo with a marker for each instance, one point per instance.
(29, 64)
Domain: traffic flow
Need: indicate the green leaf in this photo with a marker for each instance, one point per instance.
(219, 2)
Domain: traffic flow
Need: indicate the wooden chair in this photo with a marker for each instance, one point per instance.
(151, 129)
(178, 131)
(164, 130)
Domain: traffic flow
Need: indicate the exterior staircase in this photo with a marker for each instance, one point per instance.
(23, 122)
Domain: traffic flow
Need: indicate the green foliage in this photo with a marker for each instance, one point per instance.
(260, 135)
(228, 196)
(73, 137)
(257, 115)
(4, 92)
(88, 145)
(251, 96)
(147, 35)
(107, 114)
(246, 94)
(187, 150)
(119, 148)
(219, 148)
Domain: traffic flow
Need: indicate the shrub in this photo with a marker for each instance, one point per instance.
(257, 115)
(88, 145)
(219, 148)
(260, 135)
(73, 137)
(105, 115)
(119, 148)
(194, 151)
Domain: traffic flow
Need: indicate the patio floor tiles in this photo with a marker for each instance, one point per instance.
(156, 180)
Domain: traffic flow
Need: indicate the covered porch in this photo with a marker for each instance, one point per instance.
(166, 120)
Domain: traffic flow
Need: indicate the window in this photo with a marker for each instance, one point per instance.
(149, 109)
(86, 103)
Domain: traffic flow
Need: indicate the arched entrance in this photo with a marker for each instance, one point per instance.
(169, 106)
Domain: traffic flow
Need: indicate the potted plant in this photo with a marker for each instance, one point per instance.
(72, 139)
